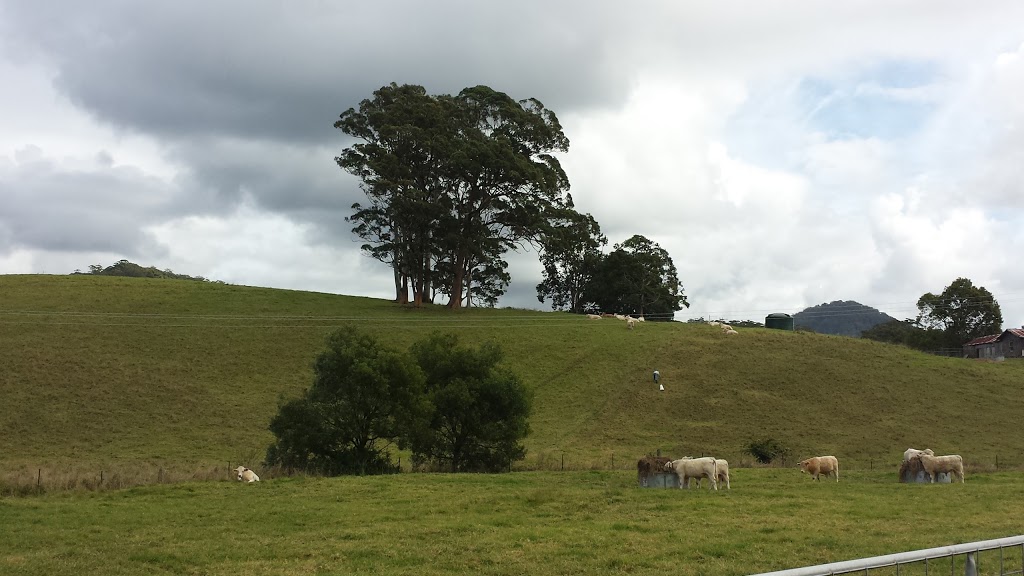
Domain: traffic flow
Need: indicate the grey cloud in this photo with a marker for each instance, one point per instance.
(301, 182)
(47, 207)
(285, 71)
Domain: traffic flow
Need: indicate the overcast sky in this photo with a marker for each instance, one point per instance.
(785, 153)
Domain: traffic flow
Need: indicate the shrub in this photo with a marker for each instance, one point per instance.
(766, 450)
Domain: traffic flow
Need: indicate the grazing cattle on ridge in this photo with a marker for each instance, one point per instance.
(246, 475)
(687, 468)
(820, 465)
(935, 465)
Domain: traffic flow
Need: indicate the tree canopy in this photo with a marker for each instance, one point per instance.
(962, 311)
(453, 182)
(452, 405)
(480, 412)
(364, 398)
(570, 255)
(638, 277)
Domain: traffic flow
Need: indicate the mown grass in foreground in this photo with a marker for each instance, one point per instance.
(521, 523)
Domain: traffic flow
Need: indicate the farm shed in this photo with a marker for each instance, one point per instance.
(1009, 344)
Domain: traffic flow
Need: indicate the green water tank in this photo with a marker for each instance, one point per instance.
(779, 321)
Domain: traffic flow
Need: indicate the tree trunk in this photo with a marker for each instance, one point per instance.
(401, 287)
(459, 271)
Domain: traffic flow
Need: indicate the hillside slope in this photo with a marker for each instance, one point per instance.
(103, 369)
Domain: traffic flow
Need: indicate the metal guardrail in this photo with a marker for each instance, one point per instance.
(969, 550)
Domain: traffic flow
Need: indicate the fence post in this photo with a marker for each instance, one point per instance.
(971, 565)
(39, 478)
(101, 476)
(563, 462)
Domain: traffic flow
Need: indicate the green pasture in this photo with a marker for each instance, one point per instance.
(126, 400)
(584, 522)
(109, 372)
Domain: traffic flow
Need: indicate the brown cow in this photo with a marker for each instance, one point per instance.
(820, 465)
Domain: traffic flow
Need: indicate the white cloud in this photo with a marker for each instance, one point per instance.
(260, 248)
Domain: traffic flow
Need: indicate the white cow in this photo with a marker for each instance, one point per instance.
(911, 453)
(723, 473)
(246, 475)
(687, 468)
(935, 465)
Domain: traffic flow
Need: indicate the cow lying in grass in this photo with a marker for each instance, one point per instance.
(820, 466)
(935, 465)
(246, 475)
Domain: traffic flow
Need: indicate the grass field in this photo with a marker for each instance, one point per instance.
(163, 385)
(108, 372)
(521, 523)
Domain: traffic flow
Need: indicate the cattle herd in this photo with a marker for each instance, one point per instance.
(716, 470)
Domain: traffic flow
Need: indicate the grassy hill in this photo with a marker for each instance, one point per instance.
(103, 370)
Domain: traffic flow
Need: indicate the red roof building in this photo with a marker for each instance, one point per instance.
(1008, 344)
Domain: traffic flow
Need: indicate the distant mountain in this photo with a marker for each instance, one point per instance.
(843, 318)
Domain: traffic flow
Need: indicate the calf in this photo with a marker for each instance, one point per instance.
(246, 475)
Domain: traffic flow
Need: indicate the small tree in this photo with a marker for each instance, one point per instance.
(766, 450)
(480, 412)
(638, 277)
(962, 311)
(364, 398)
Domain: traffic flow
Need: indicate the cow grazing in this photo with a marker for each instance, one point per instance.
(723, 473)
(935, 465)
(246, 475)
(911, 453)
(687, 468)
(820, 466)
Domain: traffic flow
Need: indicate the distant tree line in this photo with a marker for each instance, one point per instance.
(455, 182)
(126, 268)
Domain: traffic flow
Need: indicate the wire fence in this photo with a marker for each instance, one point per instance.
(25, 479)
